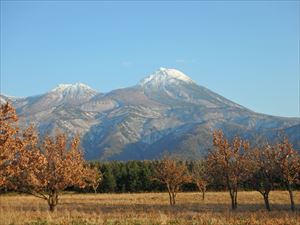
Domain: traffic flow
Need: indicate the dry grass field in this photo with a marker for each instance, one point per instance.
(149, 208)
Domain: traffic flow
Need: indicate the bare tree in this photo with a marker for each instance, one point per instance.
(288, 161)
(173, 174)
(95, 178)
(227, 160)
(200, 177)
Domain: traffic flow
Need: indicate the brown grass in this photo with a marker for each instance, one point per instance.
(149, 208)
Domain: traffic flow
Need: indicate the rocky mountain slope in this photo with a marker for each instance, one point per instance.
(166, 111)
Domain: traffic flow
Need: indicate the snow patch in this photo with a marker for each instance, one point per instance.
(72, 91)
(72, 87)
(164, 75)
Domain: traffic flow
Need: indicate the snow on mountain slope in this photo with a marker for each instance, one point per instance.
(69, 92)
(166, 111)
(5, 98)
(174, 88)
(64, 94)
(165, 76)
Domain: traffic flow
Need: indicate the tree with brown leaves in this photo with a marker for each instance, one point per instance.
(199, 176)
(42, 170)
(264, 171)
(48, 169)
(173, 174)
(9, 143)
(288, 162)
(227, 160)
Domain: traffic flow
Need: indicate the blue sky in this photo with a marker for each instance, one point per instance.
(247, 51)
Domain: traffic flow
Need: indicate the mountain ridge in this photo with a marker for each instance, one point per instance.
(166, 110)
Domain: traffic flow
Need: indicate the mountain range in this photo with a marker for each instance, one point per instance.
(166, 111)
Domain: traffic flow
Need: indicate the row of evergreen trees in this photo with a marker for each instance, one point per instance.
(127, 177)
(137, 176)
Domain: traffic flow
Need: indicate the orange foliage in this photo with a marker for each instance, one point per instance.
(264, 170)
(200, 177)
(41, 169)
(288, 161)
(227, 160)
(52, 167)
(172, 173)
(9, 142)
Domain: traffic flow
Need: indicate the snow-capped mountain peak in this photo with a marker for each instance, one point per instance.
(77, 87)
(73, 91)
(163, 76)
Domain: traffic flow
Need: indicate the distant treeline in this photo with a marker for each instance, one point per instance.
(137, 176)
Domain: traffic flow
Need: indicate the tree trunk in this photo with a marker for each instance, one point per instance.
(235, 199)
(266, 199)
(173, 198)
(95, 189)
(203, 194)
(291, 197)
(232, 199)
(53, 200)
(51, 207)
(170, 194)
(233, 193)
(202, 189)
(233, 196)
(170, 198)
